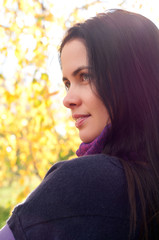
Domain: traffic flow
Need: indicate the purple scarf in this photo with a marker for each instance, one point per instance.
(94, 147)
(98, 144)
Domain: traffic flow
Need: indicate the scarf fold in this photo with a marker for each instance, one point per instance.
(94, 147)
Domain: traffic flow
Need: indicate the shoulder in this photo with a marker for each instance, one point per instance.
(88, 171)
(97, 174)
(90, 185)
(88, 181)
(90, 164)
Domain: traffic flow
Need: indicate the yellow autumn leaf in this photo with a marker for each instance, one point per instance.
(49, 17)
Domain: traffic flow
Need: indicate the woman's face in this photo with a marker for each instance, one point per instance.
(88, 111)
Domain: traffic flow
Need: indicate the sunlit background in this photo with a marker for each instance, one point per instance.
(35, 129)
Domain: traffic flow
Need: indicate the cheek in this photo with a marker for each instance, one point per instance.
(102, 113)
(97, 107)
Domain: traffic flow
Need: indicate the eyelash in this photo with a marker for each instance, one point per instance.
(82, 76)
(66, 85)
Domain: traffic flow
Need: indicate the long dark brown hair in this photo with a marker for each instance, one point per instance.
(123, 52)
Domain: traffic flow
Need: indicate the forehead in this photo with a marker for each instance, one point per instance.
(73, 56)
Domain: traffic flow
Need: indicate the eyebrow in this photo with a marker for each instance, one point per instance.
(77, 71)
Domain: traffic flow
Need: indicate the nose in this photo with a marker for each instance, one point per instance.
(72, 99)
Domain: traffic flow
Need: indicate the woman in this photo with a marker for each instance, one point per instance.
(110, 66)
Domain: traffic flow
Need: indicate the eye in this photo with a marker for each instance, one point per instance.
(67, 84)
(85, 77)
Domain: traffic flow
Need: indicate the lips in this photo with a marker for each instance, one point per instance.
(80, 119)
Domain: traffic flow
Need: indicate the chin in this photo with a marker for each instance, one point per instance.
(87, 139)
